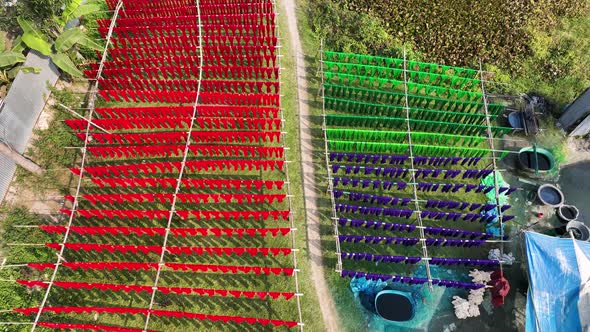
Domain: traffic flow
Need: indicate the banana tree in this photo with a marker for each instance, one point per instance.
(75, 9)
(11, 60)
(58, 48)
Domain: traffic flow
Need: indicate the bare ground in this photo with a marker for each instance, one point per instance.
(326, 301)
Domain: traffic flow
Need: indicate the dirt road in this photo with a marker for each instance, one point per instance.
(309, 187)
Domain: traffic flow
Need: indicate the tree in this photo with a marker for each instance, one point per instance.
(58, 49)
(52, 40)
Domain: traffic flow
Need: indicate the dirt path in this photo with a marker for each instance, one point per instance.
(309, 187)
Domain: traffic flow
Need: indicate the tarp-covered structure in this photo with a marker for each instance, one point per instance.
(559, 290)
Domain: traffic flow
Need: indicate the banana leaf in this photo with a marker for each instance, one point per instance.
(63, 62)
(10, 58)
(2, 41)
(33, 38)
(91, 44)
(67, 39)
(12, 73)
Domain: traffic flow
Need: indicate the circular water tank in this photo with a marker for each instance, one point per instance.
(550, 195)
(395, 305)
(542, 160)
(568, 213)
(579, 230)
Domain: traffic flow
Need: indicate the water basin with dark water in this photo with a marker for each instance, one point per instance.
(544, 159)
(550, 195)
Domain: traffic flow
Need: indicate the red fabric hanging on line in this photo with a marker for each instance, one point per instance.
(177, 123)
(187, 16)
(170, 167)
(166, 290)
(91, 327)
(159, 313)
(180, 137)
(252, 99)
(183, 214)
(187, 111)
(184, 198)
(174, 266)
(153, 231)
(190, 183)
(134, 151)
(172, 250)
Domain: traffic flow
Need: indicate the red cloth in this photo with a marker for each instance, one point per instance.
(91, 327)
(500, 288)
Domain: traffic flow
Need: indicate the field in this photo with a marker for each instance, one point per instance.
(231, 214)
(258, 140)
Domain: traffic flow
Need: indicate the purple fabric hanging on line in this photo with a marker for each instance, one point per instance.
(409, 280)
(393, 227)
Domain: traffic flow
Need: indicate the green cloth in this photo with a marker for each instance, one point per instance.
(489, 181)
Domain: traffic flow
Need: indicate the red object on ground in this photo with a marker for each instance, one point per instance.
(500, 288)
(540, 214)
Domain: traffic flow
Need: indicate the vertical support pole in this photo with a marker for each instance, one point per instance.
(288, 182)
(91, 102)
(493, 152)
(180, 174)
(418, 212)
(328, 169)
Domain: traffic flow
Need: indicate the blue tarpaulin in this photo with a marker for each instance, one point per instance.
(559, 291)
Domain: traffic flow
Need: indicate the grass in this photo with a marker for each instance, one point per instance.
(350, 318)
(558, 65)
(14, 295)
(51, 147)
(48, 150)
(289, 102)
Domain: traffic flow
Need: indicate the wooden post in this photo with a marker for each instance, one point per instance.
(20, 160)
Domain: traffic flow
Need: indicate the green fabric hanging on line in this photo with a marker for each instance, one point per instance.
(418, 125)
(402, 136)
(397, 98)
(394, 148)
(424, 66)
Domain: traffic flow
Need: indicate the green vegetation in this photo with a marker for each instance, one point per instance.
(48, 149)
(551, 138)
(536, 47)
(11, 60)
(59, 45)
(51, 148)
(44, 30)
(13, 294)
(558, 65)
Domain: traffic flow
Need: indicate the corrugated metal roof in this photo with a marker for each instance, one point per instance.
(22, 106)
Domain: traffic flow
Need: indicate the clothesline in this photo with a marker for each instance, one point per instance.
(136, 266)
(407, 200)
(410, 280)
(415, 259)
(177, 290)
(370, 239)
(147, 312)
(408, 213)
(386, 226)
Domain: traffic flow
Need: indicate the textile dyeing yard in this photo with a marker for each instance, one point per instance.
(175, 165)
(414, 181)
(182, 196)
